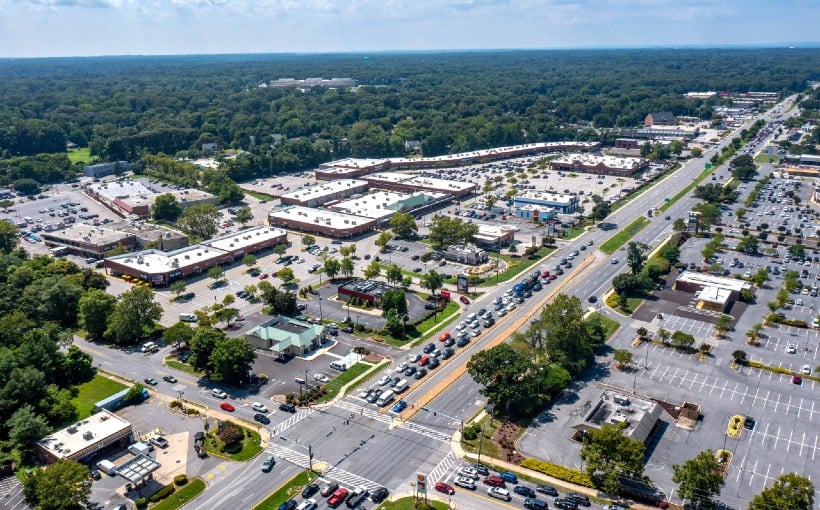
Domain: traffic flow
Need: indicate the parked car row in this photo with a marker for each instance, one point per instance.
(335, 496)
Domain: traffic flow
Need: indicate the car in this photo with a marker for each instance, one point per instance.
(287, 505)
(499, 493)
(524, 491)
(365, 393)
(565, 504)
(267, 464)
(549, 490)
(337, 497)
(806, 370)
(494, 481)
(433, 363)
(481, 469)
(449, 342)
(464, 300)
(415, 257)
(261, 418)
(402, 366)
(469, 473)
(592, 299)
(614, 507)
(328, 489)
(409, 371)
(384, 380)
(791, 348)
(414, 357)
(158, 441)
(263, 276)
(287, 407)
(465, 482)
(374, 396)
(322, 378)
(151, 381)
(379, 494)
(424, 360)
(535, 504)
(260, 407)
(348, 329)
(310, 490)
(307, 504)
(509, 477)
(580, 499)
(400, 406)
(95, 474)
(357, 497)
(613, 261)
(216, 392)
(420, 373)
(225, 406)
(429, 348)
(444, 337)
(445, 488)
(169, 378)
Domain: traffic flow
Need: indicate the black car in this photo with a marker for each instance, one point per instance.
(481, 469)
(409, 370)
(420, 373)
(749, 423)
(348, 329)
(549, 490)
(379, 495)
(169, 378)
(434, 363)
(446, 353)
(592, 299)
(261, 418)
(288, 505)
(394, 381)
(310, 490)
(565, 504)
(151, 381)
(449, 342)
(461, 342)
(524, 491)
(581, 499)
(429, 348)
(287, 407)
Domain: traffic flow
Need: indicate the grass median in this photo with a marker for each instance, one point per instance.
(615, 242)
(181, 496)
(335, 385)
(287, 491)
(251, 444)
(410, 503)
(515, 266)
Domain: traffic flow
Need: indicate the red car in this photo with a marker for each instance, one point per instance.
(443, 337)
(464, 300)
(796, 379)
(337, 498)
(263, 276)
(446, 489)
(424, 360)
(227, 407)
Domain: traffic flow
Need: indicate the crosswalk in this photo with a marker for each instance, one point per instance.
(387, 419)
(340, 475)
(293, 420)
(441, 469)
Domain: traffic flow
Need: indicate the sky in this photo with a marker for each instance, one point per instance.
(47, 28)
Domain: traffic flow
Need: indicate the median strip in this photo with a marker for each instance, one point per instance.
(615, 242)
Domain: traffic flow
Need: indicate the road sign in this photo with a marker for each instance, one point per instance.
(421, 483)
(708, 166)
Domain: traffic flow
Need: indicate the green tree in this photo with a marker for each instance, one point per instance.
(635, 257)
(280, 249)
(134, 316)
(249, 260)
(723, 324)
(200, 220)
(166, 208)
(562, 336)
(9, 237)
(77, 366)
(216, 273)
(285, 274)
(393, 274)
(749, 244)
(626, 284)
(600, 211)
(95, 307)
(788, 491)
(699, 479)
(760, 277)
(696, 152)
(608, 454)
(403, 225)
(178, 335)
(372, 271)
(347, 267)
(682, 340)
(432, 281)
(231, 360)
(394, 299)
(26, 427)
(679, 225)
(26, 186)
(383, 240)
(622, 357)
(797, 251)
(134, 394)
(308, 241)
(332, 268)
(65, 485)
(244, 215)
(709, 215)
(6, 204)
(177, 288)
(202, 345)
(446, 231)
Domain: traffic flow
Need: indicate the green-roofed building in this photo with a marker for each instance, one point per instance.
(283, 336)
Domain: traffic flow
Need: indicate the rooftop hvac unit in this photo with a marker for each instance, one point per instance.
(72, 429)
(88, 435)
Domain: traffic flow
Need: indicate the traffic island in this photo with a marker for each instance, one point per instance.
(735, 426)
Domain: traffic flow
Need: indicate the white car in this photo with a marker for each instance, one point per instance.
(216, 392)
(384, 380)
(468, 472)
(806, 370)
(791, 348)
(613, 261)
(402, 366)
(322, 378)
(465, 482)
(259, 407)
(499, 493)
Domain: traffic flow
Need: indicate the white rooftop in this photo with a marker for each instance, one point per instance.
(392, 177)
(244, 238)
(319, 217)
(324, 189)
(357, 162)
(545, 196)
(594, 160)
(68, 441)
(715, 295)
(375, 205)
(444, 185)
(492, 231)
(120, 189)
(708, 280)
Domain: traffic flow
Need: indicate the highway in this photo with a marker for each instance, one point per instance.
(359, 445)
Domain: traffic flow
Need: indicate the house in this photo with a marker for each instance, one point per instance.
(659, 119)
(283, 336)
(412, 145)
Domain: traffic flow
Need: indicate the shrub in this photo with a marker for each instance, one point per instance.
(230, 435)
(141, 503)
(174, 404)
(181, 479)
(192, 411)
(163, 493)
(557, 471)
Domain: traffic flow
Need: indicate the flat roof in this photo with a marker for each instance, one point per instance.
(155, 261)
(546, 196)
(492, 231)
(377, 205)
(68, 441)
(444, 185)
(87, 233)
(320, 217)
(391, 177)
(715, 295)
(244, 238)
(136, 469)
(190, 194)
(357, 162)
(639, 414)
(120, 189)
(328, 188)
(594, 160)
(708, 280)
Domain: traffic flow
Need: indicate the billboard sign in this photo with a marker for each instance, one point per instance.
(461, 283)
(421, 483)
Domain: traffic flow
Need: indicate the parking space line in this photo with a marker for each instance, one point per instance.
(799, 408)
(814, 450)
(724, 389)
(754, 472)
(776, 438)
(694, 380)
(802, 444)
(789, 444)
(765, 434)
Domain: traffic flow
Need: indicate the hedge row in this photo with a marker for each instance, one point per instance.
(163, 493)
(557, 471)
(777, 370)
(796, 323)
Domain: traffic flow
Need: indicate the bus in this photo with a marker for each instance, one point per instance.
(58, 251)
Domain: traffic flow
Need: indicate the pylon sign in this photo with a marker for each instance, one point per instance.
(421, 483)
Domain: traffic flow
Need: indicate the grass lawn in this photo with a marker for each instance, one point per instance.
(610, 325)
(409, 503)
(182, 367)
(632, 303)
(251, 445)
(689, 187)
(92, 392)
(345, 377)
(766, 158)
(612, 244)
(287, 491)
(521, 265)
(81, 154)
(181, 496)
(260, 196)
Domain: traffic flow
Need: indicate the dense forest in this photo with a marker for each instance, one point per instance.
(126, 107)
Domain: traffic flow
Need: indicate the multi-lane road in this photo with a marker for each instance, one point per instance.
(359, 446)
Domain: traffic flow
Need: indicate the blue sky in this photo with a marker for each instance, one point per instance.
(41, 28)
